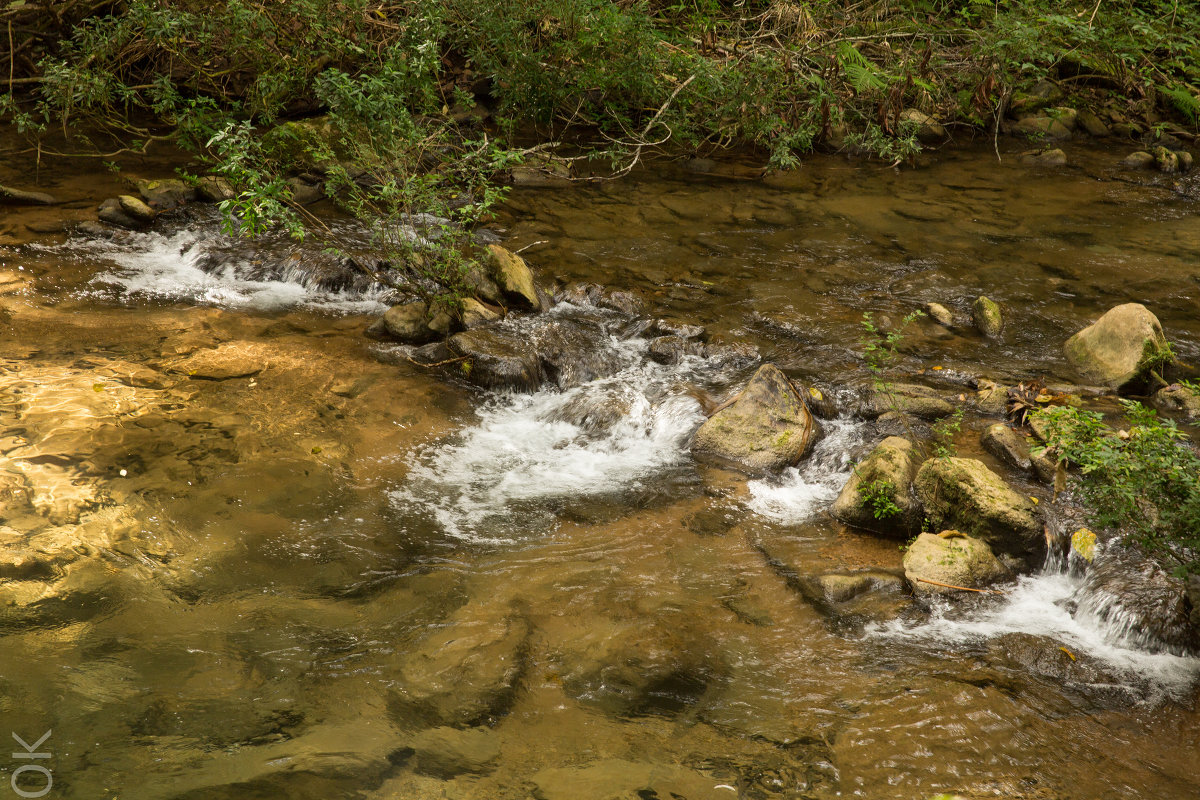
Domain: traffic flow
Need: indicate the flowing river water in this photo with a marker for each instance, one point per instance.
(254, 554)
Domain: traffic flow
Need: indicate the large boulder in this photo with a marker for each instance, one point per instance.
(766, 428)
(953, 559)
(1121, 347)
(886, 475)
(963, 494)
(514, 278)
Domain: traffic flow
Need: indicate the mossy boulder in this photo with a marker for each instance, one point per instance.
(1178, 399)
(953, 558)
(766, 428)
(927, 129)
(305, 142)
(514, 278)
(963, 494)
(908, 398)
(165, 194)
(987, 317)
(1121, 348)
(416, 323)
(889, 470)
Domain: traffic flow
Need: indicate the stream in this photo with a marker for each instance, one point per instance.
(251, 553)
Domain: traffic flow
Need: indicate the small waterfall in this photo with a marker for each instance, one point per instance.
(801, 492)
(1057, 604)
(200, 264)
(498, 479)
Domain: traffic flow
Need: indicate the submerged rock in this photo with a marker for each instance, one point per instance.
(963, 494)
(1138, 160)
(1120, 348)
(22, 197)
(887, 476)
(445, 752)
(614, 779)
(466, 672)
(766, 428)
(670, 349)
(640, 667)
(1046, 657)
(950, 558)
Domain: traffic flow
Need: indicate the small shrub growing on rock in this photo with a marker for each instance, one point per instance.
(1145, 482)
(877, 495)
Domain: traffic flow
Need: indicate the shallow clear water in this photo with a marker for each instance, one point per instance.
(259, 558)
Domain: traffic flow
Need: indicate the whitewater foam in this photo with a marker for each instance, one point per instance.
(201, 265)
(800, 493)
(1045, 605)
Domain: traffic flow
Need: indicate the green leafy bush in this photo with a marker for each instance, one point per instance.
(1145, 482)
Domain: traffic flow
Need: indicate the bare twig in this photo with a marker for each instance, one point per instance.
(637, 151)
(963, 588)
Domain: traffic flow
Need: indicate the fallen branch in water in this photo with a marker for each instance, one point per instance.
(963, 588)
(439, 363)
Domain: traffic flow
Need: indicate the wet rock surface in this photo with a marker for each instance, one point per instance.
(465, 673)
(767, 427)
(964, 495)
(1119, 348)
(879, 495)
(950, 558)
(1143, 601)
